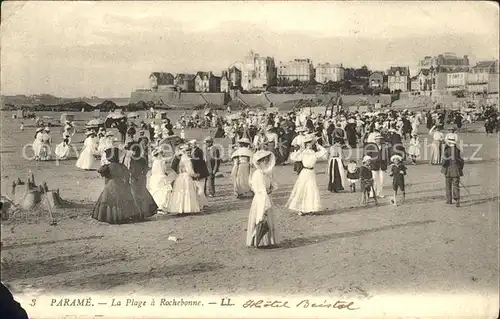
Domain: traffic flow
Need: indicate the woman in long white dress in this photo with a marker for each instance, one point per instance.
(86, 158)
(305, 197)
(241, 168)
(437, 144)
(38, 143)
(159, 185)
(62, 149)
(184, 196)
(262, 185)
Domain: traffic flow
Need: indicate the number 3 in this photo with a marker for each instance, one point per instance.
(33, 302)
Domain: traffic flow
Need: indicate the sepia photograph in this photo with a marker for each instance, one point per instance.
(249, 159)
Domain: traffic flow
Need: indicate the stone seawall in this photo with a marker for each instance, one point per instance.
(192, 98)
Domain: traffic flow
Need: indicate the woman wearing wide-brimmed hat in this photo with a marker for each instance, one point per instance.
(116, 204)
(62, 149)
(38, 143)
(159, 184)
(437, 145)
(261, 231)
(86, 158)
(184, 198)
(240, 173)
(305, 193)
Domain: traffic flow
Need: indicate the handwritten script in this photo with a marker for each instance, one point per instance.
(306, 303)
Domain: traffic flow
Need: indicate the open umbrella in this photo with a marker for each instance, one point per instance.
(261, 229)
(95, 122)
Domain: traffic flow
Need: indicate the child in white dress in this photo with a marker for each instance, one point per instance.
(305, 197)
(414, 149)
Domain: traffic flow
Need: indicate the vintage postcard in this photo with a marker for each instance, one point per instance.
(249, 159)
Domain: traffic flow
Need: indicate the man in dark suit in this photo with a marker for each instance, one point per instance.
(200, 170)
(452, 169)
(396, 146)
(213, 162)
(379, 154)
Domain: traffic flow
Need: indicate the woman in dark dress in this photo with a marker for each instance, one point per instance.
(115, 204)
(138, 170)
(350, 131)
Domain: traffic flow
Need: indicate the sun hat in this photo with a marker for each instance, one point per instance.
(396, 157)
(244, 140)
(309, 138)
(47, 129)
(367, 158)
(208, 139)
(377, 136)
(89, 133)
(261, 154)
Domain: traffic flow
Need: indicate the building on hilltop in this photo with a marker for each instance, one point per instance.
(326, 72)
(483, 77)
(398, 78)
(447, 60)
(258, 72)
(185, 82)
(457, 79)
(207, 82)
(231, 79)
(297, 70)
(377, 80)
(160, 80)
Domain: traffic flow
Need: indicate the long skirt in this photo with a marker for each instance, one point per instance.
(305, 193)
(184, 198)
(62, 151)
(241, 177)
(160, 188)
(37, 145)
(336, 175)
(116, 204)
(86, 159)
(414, 150)
(271, 237)
(143, 199)
(435, 154)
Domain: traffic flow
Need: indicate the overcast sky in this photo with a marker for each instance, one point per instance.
(109, 49)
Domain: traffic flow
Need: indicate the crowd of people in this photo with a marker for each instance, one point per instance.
(143, 178)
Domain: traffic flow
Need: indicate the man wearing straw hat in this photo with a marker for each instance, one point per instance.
(452, 169)
(379, 153)
(212, 160)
